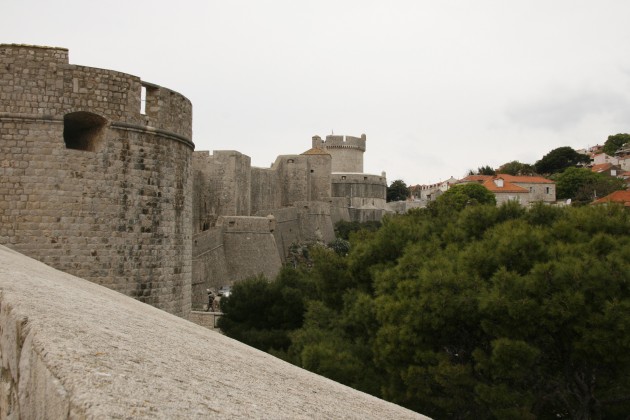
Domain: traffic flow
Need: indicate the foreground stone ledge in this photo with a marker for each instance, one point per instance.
(74, 349)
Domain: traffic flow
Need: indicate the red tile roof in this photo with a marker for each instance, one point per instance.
(509, 178)
(526, 179)
(488, 182)
(622, 196)
(316, 151)
(476, 178)
(507, 187)
(601, 167)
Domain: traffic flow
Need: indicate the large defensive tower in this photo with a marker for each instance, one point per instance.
(96, 174)
(346, 152)
(355, 195)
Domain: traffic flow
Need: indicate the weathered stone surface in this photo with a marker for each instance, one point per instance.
(89, 183)
(73, 349)
(346, 151)
(232, 239)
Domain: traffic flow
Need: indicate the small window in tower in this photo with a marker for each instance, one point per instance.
(83, 130)
(312, 170)
(143, 100)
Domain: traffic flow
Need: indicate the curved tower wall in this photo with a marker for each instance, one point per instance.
(346, 152)
(360, 190)
(91, 185)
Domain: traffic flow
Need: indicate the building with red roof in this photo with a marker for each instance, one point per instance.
(522, 189)
(622, 197)
(607, 169)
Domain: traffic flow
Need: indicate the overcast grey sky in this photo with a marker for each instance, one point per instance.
(438, 87)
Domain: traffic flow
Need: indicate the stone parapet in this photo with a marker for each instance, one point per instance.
(39, 81)
(73, 349)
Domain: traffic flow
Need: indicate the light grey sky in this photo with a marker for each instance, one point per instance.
(438, 87)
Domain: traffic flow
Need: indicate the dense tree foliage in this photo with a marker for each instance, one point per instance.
(483, 170)
(261, 313)
(461, 195)
(343, 229)
(397, 191)
(480, 312)
(583, 185)
(614, 143)
(516, 168)
(559, 159)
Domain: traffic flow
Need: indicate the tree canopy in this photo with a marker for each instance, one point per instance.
(614, 143)
(461, 195)
(483, 312)
(483, 170)
(516, 168)
(559, 159)
(343, 229)
(583, 185)
(397, 191)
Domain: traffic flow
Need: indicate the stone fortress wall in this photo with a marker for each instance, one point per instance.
(99, 179)
(91, 185)
(246, 218)
(360, 190)
(222, 186)
(362, 196)
(355, 195)
(301, 196)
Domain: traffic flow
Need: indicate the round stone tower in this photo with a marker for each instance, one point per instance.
(346, 152)
(96, 174)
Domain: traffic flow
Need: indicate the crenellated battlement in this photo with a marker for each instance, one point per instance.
(38, 81)
(346, 151)
(340, 142)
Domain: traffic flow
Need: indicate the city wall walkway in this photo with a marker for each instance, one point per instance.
(74, 349)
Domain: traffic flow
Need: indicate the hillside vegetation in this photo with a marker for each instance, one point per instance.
(461, 310)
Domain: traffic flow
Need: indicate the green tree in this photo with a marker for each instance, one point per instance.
(598, 188)
(338, 343)
(614, 143)
(548, 326)
(483, 170)
(397, 191)
(479, 312)
(340, 246)
(559, 159)
(516, 168)
(581, 184)
(343, 229)
(511, 322)
(262, 313)
(461, 195)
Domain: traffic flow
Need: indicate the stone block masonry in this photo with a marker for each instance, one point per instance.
(346, 151)
(96, 174)
(73, 349)
(209, 266)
